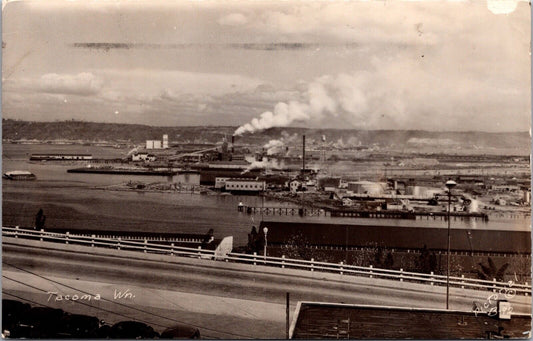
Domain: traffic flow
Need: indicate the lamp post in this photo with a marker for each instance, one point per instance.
(449, 184)
(265, 230)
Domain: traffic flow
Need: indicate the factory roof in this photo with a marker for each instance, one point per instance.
(243, 179)
(316, 320)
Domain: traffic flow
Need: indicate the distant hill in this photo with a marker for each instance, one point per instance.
(136, 133)
(111, 132)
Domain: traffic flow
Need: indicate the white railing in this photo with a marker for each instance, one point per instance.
(504, 288)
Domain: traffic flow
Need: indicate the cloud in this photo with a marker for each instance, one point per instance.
(384, 65)
(233, 19)
(83, 84)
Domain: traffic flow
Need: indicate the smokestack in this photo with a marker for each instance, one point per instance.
(303, 153)
(232, 144)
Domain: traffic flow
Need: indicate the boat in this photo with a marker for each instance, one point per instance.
(19, 175)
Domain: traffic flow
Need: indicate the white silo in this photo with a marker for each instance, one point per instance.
(165, 141)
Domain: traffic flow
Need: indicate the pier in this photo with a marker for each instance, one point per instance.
(408, 215)
(123, 171)
(301, 211)
(373, 214)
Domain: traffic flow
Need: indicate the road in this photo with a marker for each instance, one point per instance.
(224, 300)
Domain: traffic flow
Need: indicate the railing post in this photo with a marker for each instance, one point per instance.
(66, 237)
(341, 267)
(172, 249)
(494, 285)
(432, 278)
(145, 245)
(462, 281)
(312, 264)
(401, 274)
(16, 231)
(371, 270)
(255, 254)
(283, 261)
(199, 252)
(41, 232)
(92, 240)
(118, 244)
(526, 294)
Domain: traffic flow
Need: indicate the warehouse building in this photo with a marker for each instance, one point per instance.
(244, 185)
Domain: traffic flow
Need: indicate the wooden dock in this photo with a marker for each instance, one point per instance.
(383, 214)
(407, 215)
(373, 214)
(299, 211)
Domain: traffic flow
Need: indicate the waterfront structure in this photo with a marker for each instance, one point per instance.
(143, 157)
(19, 175)
(220, 182)
(295, 185)
(190, 157)
(227, 169)
(329, 184)
(60, 157)
(244, 185)
(331, 236)
(366, 187)
(194, 240)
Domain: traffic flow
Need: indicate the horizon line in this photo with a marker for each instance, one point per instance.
(290, 127)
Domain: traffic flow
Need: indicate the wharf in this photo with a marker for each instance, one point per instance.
(304, 211)
(407, 215)
(373, 214)
(301, 211)
(123, 171)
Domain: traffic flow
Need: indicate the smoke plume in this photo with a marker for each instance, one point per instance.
(327, 96)
(277, 146)
(265, 164)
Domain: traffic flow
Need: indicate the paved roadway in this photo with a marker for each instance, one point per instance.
(224, 300)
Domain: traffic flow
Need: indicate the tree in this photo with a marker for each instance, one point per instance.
(423, 260)
(40, 218)
(378, 258)
(389, 261)
(491, 272)
(433, 262)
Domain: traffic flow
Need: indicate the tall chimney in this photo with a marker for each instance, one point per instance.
(303, 153)
(232, 144)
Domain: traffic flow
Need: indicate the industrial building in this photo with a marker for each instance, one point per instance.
(157, 144)
(344, 236)
(244, 185)
(322, 320)
(366, 187)
(220, 182)
(153, 144)
(143, 157)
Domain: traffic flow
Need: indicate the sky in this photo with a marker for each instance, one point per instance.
(429, 65)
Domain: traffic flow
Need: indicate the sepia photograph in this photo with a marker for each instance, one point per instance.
(266, 169)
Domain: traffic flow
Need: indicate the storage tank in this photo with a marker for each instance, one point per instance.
(149, 144)
(157, 144)
(165, 141)
(365, 187)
